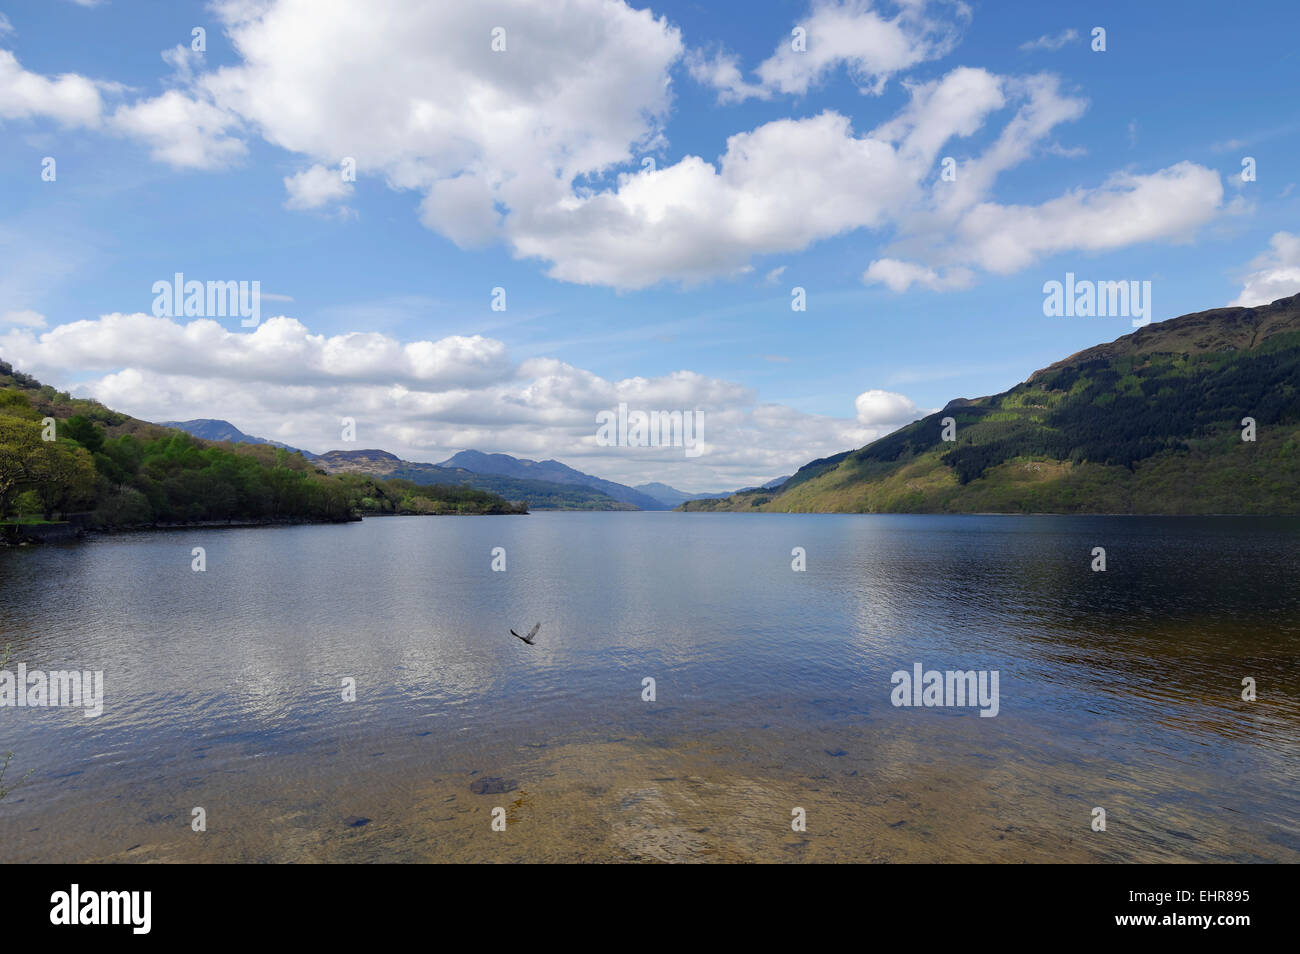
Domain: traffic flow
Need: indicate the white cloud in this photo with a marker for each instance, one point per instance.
(69, 99)
(855, 34)
(900, 276)
(524, 147)
(722, 72)
(183, 59)
(24, 319)
(5, 25)
(1128, 208)
(878, 408)
(424, 400)
(1276, 273)
(1051, 41)
(314, 187)
(463, 209)
(777, 189)
(279, 350)
(182, 131)
(577, 86)
(958, 226)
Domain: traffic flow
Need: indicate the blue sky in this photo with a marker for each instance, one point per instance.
(523, 169)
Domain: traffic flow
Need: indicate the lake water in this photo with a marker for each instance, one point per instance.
(223, 690)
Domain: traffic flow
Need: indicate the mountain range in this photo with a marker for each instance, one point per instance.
(545, 485)
(1198, 414)
(550, 471)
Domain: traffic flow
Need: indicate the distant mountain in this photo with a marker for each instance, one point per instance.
(553, 471)
(213, 430)
(1153, 422)
(672, 497)
(545, 485)
(539, 494)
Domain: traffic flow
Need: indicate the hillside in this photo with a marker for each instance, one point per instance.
(537, 494)
(672, 497)
(551, 471)
(1148, 423)
(215, 430)
(113, 471)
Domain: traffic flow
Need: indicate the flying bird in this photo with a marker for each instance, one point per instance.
(531, 633)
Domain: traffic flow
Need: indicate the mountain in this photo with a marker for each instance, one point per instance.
(672, 497)
(1149, 423)
(553, 471)
(539, 494)
(213, 430)
(91, 466)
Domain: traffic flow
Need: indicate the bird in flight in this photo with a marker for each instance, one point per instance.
(531, 633)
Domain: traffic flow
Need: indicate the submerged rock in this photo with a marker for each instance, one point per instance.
(493, 786)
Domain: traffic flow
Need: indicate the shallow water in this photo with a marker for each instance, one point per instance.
(1119, 690)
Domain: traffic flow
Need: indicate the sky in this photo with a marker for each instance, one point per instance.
(479, 224)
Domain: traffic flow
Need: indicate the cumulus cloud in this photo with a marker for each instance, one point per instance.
(182, 131)
(530, 147)
(425, 400)
(886, 408)
(722, 72)
(69, 99)
(776, 189)
(957, 226)
(900, 276)
(857, 35)
(280, 350)
(1276, 273)
(1128, 208)
(315, 187)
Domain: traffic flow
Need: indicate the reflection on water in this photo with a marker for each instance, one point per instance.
(1119, 689)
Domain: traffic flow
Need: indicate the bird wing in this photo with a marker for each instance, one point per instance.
(533, 632)
(515, 635)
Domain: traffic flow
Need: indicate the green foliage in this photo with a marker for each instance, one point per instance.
(158, 476)
(1118, 429)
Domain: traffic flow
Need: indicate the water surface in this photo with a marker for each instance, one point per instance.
(1119, 690)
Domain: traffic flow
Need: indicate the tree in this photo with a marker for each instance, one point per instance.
(84, 432)
(64, 475)
(20, 442)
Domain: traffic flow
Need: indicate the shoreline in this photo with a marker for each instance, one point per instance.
(21, 535)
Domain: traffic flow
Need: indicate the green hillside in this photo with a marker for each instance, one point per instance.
(114, 471)
(1149, 423)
